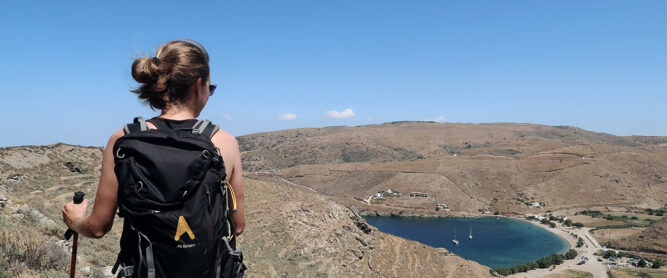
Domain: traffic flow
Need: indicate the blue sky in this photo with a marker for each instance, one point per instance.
(598, 65)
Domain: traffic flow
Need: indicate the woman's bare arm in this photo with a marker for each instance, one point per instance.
(100, 220)
(231, 155)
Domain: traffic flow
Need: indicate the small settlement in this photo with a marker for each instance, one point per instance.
(381, 195)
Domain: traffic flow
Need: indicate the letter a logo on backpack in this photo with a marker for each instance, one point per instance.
(183, 228)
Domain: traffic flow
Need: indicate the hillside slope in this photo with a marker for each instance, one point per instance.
(471, 167)
(651, 240)
(291, 231)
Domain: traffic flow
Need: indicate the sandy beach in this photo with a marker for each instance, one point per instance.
(587, 250)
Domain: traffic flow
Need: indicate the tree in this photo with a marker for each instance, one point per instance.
(609, 253)
(609, 217)
(580, 242)
(552, 224)
(555, 258)
(578, 224)
(503, 271)
(568, 222)
(522, 268)
(543, 263)
(641, 263)
(571, 254)
(657, 264)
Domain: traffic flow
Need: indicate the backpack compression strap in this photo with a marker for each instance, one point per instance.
(138, 125)
(205, 128)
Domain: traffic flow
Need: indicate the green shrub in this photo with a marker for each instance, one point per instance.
(641, 263)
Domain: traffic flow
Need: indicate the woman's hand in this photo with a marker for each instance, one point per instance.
(72, 213)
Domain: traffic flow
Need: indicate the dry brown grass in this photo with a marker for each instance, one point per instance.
(617, 272)
(23, 250)
(604, 235)
(595, 222)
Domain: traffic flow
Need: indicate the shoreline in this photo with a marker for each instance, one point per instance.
(558, 231)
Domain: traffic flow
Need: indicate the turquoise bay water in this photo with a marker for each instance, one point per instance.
(497, 242)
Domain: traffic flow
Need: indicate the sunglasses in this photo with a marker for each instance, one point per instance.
(211, 89)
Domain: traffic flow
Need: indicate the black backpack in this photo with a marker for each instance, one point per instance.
(173, 196)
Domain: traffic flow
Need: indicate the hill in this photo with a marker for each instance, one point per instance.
(650, 241)
(501, 167)
(291, 231)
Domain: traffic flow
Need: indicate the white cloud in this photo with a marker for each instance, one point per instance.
(347, 113)
(227, 117)
(287, 117)
(439, 119)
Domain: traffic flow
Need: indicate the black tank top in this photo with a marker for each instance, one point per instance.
(162, 123)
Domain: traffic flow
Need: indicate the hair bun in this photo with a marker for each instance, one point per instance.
(145, 70)
(167, 79)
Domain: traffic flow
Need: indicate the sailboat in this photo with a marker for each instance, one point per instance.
(470, 235)
(456, 242)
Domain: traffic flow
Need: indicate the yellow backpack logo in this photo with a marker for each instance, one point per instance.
(183, 228)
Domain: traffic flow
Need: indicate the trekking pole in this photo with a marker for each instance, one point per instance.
(78, 198)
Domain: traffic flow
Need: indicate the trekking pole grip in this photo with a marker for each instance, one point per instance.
(77, 198)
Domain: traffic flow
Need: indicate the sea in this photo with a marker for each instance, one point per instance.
(496, 241)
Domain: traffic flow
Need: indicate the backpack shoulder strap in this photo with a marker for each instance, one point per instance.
(210, 130)
(205, 128)
(137, 125)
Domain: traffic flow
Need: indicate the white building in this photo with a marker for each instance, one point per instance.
(418, 194)
(442, 207)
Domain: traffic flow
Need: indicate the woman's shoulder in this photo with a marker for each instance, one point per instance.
(223, 139)
(117, 134)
